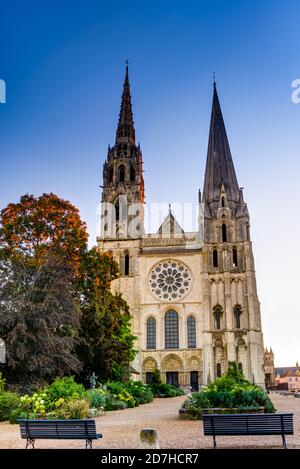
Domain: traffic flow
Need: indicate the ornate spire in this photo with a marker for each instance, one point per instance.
(219, 165)
(125, 131)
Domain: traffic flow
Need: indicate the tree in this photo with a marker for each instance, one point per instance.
(37, 225)
(39, 320)
(106, 345)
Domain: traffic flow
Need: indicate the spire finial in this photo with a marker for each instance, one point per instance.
(170, 208)
(214, 78)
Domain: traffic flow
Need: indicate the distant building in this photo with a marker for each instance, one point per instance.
(289, 376)
(269, 368)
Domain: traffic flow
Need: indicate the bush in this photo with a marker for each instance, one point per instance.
(97, 398)
(65, 388)
(119, 392)
(114, 404)
(9, 402)
(75, 409)
(142, 393)
(155, 378)
(231, 391)
(166, 390)
(2, 382)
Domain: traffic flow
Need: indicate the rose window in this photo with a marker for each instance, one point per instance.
(170, 280)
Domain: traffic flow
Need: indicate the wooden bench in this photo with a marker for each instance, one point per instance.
(58, 430)
(248, 424)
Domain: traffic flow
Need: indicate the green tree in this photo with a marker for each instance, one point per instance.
(106, 345)
(39, 319)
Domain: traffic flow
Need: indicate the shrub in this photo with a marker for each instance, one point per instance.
(230, 391)
(155, 378)
(142, 393)
(166, 390)
(65, 388)
(9, 402)
(97, 398)
(75, 409)
(119, 392)
(2, 382)
(114, 404)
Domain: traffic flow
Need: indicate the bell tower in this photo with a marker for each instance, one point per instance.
(231, 307)
(123, 183)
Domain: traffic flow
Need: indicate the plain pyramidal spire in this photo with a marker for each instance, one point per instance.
(125, 131)
(219, 164)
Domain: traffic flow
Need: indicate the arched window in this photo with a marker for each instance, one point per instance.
(151, 333)
(217, 316)
(237, 316)
(224, 233)
(111, 175)
(240, 366)
(219, 370)
(215, 258)
(126, 264)
(234, 257)
(122, 174)
(223, 201)
(191, 332)
(171, 330)
(117, 208)
(132, 174)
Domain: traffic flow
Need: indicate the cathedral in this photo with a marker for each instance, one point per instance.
(192, 295)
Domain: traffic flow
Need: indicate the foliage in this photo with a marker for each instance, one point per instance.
(119, 393)
(166, 390)
(37, 225)
(9, 402)
(231, 391)
(2, 382)
(73, 409)
(39, 319)
(142, 393)
(97, 398)
(65, 388)
(155, 378)
(115, 404)
(106, 345)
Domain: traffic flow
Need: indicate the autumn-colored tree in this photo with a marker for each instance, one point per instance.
(39, 320)
(36, 225)
(106, 341)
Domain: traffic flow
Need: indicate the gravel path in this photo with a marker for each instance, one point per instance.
(121, 429)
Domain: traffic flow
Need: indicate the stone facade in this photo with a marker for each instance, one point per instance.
(192, 296)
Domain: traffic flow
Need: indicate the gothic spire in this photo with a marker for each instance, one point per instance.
(219, 165)
(125, 131)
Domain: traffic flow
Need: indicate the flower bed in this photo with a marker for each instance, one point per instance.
(231, 393)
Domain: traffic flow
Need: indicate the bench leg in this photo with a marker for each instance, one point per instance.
(88, 444)
(29, 442)
(214, 441)
(283, 441)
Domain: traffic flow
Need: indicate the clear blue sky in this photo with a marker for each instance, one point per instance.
(63, 63)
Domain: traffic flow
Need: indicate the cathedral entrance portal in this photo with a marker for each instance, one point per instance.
(172, 378)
